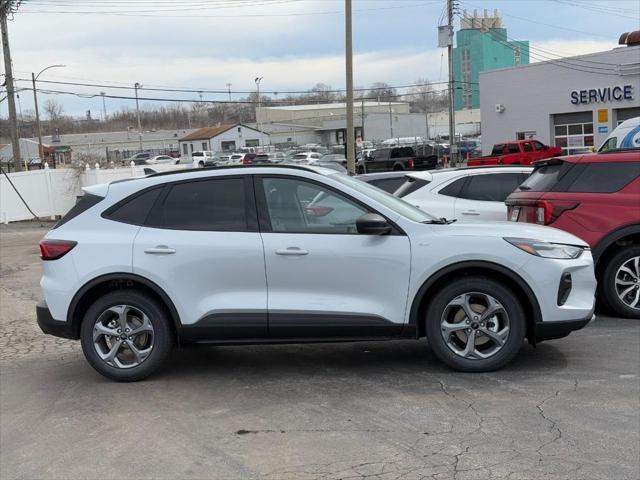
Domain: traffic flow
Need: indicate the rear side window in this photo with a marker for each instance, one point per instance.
(210, 205)
(410, 186)
(498, 149)
(610, 144)
(135, 209)
(453, 189)
(605, 177)
(494, 187)
(545, 178)
(83, 204)
(513, 148)
(389, 185)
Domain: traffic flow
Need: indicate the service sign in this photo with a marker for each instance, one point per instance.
(618, 93)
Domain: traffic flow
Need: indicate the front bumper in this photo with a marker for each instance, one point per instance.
(51, 326)
(552, 330)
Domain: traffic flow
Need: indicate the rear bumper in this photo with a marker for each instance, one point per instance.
(553, 330)
(50, 326)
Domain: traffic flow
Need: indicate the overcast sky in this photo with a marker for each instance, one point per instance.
(293, 44)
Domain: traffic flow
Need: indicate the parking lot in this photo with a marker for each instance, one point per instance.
(568, 409)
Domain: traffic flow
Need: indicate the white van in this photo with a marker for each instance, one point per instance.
(624, 136)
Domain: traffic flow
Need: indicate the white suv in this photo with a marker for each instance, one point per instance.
(468, 194)
(298, 254)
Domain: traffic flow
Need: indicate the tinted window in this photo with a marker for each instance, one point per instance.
(513, 148)
(538, 146)
(380, 154)
(605, 177)
(134, 209)
(494, 187)
(389, 185)
(545, 178)
(197, 154)
(409, 186)
(213, 205)
(296, 206)
(498, 149)
(527, 147)
(453, 189)
(83, 204)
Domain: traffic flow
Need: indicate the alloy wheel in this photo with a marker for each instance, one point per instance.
(123, 336)
(475, 325)
(628, 283)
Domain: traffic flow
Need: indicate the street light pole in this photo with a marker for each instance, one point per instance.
(452, 119)
(258, 80)
(34, 77)
(136, 87)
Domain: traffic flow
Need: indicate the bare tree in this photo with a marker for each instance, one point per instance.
(53, 110)
(382, 92)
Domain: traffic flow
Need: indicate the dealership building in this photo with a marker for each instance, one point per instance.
(572, 102)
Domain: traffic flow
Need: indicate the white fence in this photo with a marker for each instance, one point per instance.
(50, 193)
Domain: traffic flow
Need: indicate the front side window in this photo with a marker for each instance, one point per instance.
(297, 206)
(209, 205)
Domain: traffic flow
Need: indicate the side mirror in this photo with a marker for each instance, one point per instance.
(372, 224)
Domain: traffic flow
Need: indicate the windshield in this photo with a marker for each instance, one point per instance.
(393, 203)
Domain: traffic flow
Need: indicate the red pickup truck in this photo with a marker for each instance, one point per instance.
(519, 152)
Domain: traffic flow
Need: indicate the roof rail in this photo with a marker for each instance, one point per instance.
(231, 167)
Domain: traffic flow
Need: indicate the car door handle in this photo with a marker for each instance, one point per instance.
(160, 250)
(470, 212)
(295, 251)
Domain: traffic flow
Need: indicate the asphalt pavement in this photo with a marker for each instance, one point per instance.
(568, 409)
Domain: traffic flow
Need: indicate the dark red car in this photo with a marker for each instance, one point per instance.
(597, 198)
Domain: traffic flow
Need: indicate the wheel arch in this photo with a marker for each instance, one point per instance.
(525, 295)
(118, 281)
(610, 243)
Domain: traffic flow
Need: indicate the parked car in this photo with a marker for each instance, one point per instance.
(597, 198)
(138, 159)
(387, 181)
(186, 256)
(397, 158)
(331, 160)
(468, 194)
(162, 159)
(204, 158)
(276, 157)
(624, 136)
(305, 158)
(248, 159)
(467, 147)
(520, 152)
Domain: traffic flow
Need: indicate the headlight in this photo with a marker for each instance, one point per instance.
(540, 248)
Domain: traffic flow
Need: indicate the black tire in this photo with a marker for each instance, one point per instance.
(484, 285)
(201, 165)
(398, 168)
(608, 282)
(163, 335)
(360, 170)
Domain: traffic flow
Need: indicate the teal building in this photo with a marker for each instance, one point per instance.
(482, 45)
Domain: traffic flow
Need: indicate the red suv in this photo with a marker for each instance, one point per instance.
(597, 198)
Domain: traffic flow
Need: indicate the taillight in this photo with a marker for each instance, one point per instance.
(246, 161)
(548, 212)
(55, 249)
(410, 163)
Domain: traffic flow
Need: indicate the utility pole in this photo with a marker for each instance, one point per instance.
(350, 150)
(452, 120)
(226, 108)
(136, 87)
(362, 119)
(258, 80)
(104, 107)
(390, 122)
(426, 113)
(13, 118)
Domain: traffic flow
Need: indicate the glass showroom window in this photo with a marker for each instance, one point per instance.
(574, 137)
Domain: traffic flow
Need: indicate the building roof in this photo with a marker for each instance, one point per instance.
(207, 132)
(97, 138)
(328, 106)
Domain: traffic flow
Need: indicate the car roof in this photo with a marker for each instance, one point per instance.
(617, 155)
(378, 175)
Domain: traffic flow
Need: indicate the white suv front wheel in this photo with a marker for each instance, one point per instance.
(475, 324)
